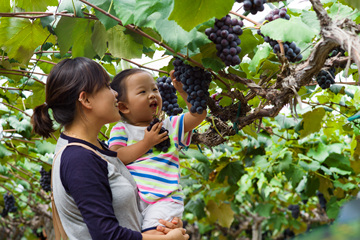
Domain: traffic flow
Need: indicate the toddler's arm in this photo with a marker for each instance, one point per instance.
(191, 120)
(128, 154)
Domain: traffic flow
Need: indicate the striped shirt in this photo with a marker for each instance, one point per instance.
(156, 173)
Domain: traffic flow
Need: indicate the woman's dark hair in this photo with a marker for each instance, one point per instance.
(65, 82)
(118, 83)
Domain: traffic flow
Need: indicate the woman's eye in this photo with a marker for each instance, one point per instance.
(155, 89)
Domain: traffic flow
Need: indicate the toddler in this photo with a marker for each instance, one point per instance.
(156, 173)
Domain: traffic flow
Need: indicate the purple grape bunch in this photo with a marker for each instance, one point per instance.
(164, 145)
(326, 77)
(253, 6)
(45, 180)
(196, 84)
(9, 202)
(168, 95)
(225, 34)
(292, 52)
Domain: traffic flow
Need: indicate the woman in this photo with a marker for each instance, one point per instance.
(95, 199)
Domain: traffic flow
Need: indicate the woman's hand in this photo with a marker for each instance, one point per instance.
(177, 234)
(175, 223)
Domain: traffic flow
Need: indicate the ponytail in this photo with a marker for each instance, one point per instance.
(41, 121)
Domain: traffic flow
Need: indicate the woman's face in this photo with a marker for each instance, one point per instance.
(105, 105)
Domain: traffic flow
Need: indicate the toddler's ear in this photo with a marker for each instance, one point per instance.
(123, 107)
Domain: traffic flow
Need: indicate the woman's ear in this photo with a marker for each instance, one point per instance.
(123, 108)
(84, 100)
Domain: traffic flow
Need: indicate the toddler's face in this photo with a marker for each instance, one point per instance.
(143, 99)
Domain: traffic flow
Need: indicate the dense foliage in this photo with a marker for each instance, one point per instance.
(277, 154)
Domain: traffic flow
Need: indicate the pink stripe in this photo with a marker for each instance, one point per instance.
(188, 139)
(118, 128)
(171, 156)
(146, 200)
(175, 121)
(153, 189)
(152, 171)
(118, 143)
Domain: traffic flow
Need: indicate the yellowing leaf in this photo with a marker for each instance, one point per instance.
(312, 122)
(223, 214)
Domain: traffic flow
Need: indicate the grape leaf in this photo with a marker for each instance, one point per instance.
(34, 5)
(353, 3)
(75, 33)
(233, 171)
(188, 13)
(260, 56)
(71, 6)
(99, 38)
(105, 5)
(289, 30)
(173, 34)
(340, 11)
(44, 147)
(13, 31)
(125, 10)
(5, 6)
(312, 122)
(122, 45)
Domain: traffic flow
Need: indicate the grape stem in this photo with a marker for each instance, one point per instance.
(246, 18)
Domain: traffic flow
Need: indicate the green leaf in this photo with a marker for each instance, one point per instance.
(310, 18)
(196, 207)
(107, 21)
(70, 6)
(294, 174)
(340, 11)
(264, 209)
(312, 122)
(289, 30)
(332, 208)
(13, 31)
(188, 13)
(221, 213)
(34, 5)
(233, 172)
(249, 43)
(4, 152)
(5, 6)
(44, 147)
(122, 45)
(99, 38)
(285, 122)
(261, 54)
(173, 34)
(148, 12)
(75, 33)
(125, 10)
(214, 64)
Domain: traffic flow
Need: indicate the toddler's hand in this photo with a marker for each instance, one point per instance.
(153, 136)
(177, 84)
